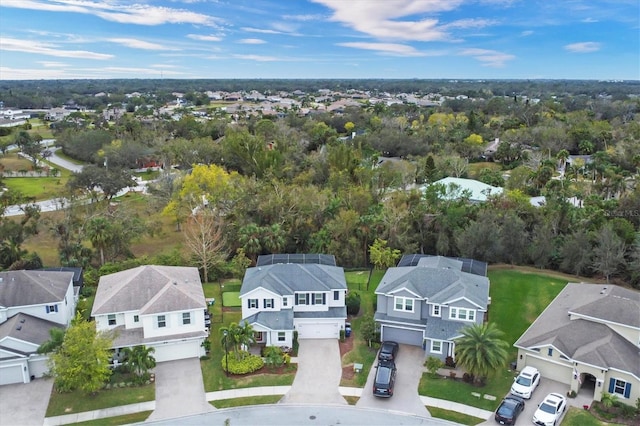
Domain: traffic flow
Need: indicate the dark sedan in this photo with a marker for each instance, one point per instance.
(388, 351)
(509, 410)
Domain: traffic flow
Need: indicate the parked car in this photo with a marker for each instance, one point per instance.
(207, 318)
(526, 382)
(550, 410)
(347, 329)
(388, 351)
(509, 410)
(385, 379)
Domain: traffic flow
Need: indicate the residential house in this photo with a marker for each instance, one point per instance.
(426, 300)
(31, 303)
(589, 339)
(305, 293)
(157, 306)
(474, 190)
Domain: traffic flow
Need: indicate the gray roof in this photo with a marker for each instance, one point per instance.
(25, 288)
(273, 320)
(437, 284)
(440, 329)
(149, 289)
(123, 337)
(286, 279)
(382, 317)
(587, 340)
(333, 312)
(27, 328)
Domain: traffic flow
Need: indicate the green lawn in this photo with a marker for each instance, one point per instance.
(249, 400)
(231, 299)
(578, 417)
(40, 188)
(517, 298)
(118, 420)
(454, 416)
(77, 402)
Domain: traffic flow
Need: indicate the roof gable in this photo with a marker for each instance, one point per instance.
(287, 279)
(25, 288)
(616, 304)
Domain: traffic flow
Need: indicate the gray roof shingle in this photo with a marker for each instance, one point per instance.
(286, 279)
(273, 320)
(27, 328)
(25, 288)
(149, 289)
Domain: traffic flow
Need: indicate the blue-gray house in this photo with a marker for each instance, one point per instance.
(426, 300)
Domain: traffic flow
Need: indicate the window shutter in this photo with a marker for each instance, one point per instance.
(313, 298)
(296, 298)
(627, 390)
(56, 307)
(612, 385)
(249, 303)
(264, 303)
(47, 308)
(308, 296)
(324, 298)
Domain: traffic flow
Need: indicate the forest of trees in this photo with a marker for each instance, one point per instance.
(255, 185)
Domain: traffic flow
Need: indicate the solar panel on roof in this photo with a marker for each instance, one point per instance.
(310, 258)
(471, 266)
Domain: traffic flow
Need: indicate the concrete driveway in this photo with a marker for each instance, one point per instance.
(179, 390)
(25, 403)
(318, 375)
(405, 396)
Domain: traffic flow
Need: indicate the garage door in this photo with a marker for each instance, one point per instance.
(318, 331)
(178, 350)
(549, 370)
(402, 335)
(12, 374)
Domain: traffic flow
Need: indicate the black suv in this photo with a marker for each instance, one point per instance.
(385, 379)
(388, 351)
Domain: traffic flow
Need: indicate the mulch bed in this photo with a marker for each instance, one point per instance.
(347, 346)
(615, 415)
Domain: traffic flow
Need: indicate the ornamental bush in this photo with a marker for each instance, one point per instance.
(245, 364)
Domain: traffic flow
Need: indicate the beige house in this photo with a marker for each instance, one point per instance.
(589, 339)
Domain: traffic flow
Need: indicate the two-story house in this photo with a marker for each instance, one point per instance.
(588, 338)
(31, 303)
(157, 306)
(279, 298)
(426, 300)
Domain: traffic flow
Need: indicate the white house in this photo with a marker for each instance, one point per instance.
(31, 303)
(157, 306)
(278, 298)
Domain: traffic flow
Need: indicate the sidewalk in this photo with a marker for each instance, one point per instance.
(247, 392)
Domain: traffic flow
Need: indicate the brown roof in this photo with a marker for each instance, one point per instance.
(149, 289)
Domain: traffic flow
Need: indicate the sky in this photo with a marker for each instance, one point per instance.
(423, 39)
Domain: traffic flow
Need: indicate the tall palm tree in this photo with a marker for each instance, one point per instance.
(245, 335)
(480, 350)
(140, 359)
(99, 232)
(230, 338)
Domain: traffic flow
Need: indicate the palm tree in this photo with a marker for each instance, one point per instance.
(99, 233)
(230, 336)
(55, 341)
(139, 359)
(480, 350)
(245, 335)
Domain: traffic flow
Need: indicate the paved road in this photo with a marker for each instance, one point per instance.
(318, 375)
(179, 390)
(61, 162)
(25, 404)
(405, 397)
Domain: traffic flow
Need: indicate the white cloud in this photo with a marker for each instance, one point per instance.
(251, 41)
(259, 30)
(52, 64)
(526, 33)
(387, 48)
(30, 46)
(589, 20)
(204, 37)
(488, 58)
(7, 73)
(389, 19)
(584, 47)
(303, 18)
(138, 44)
(140, 14)
(470, 23)
(257, 58)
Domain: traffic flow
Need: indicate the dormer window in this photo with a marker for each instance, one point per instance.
(404, 304)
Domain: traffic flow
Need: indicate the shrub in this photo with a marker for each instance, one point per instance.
(342, 335)
(433, 364)
(245, 365)
(627, 410)
(353, 303)
(572, 394)
(449, 362)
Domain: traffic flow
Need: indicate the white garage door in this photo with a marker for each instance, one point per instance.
(178, 350)
(12, 374)
(549, 370)
(318, 331)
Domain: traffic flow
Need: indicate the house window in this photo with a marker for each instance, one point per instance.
(253, 303)
(318, 299)
(112, 319)
(301, 299)
(550, 352)
(52, 308)
(336, 295)
(136, 318)
(285, 302)
(268, 303)
(436, 346)
(620, 387)
(186, 318)
(436, 310)
(281, 336)
(403, 304)
(462, 314)
(162, 321)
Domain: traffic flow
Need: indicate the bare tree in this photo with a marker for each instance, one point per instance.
(204, 239)
(608, 255)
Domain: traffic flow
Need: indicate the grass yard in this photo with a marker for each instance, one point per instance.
(454, 416)
(39, 188)
(231, 299)
(517, 298)
(249, 400)
(578, 417)
(476, 168)
(77, 402)
(126, 419)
